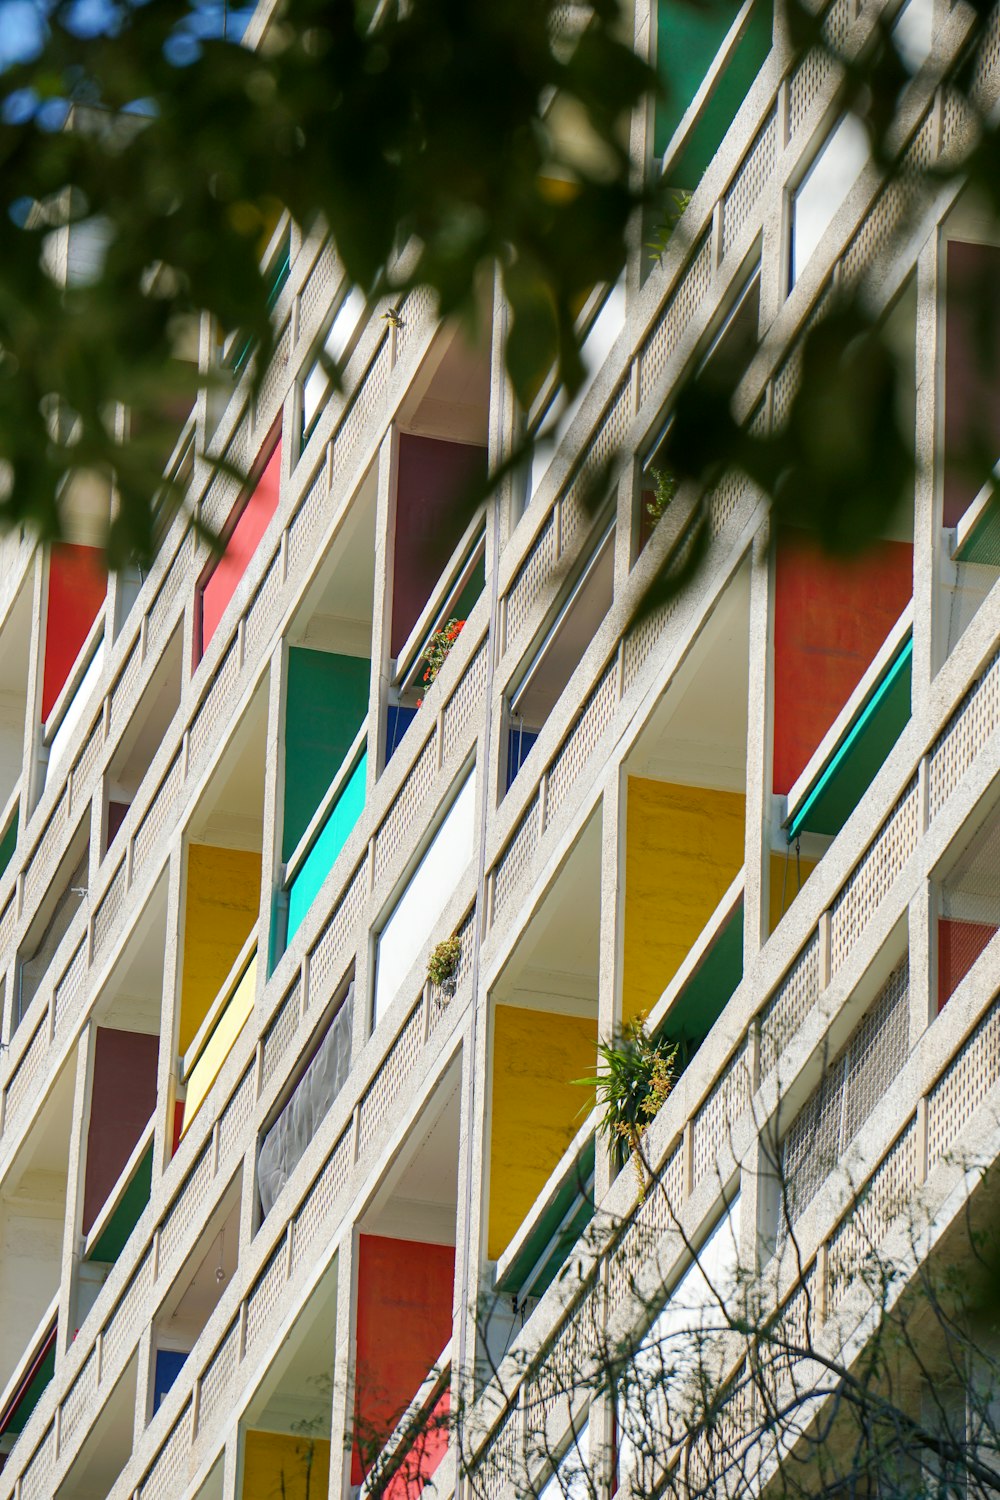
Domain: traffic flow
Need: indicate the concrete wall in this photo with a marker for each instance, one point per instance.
(683, 848)
(537, 1109)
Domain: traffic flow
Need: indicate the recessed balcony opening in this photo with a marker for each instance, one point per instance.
(450, 395)
(73, 661)
(544, 1036)
(685, 827)
(143, 735)
(66, 894)
(240, 536)
(221, 904)
(707, 57)
(118, 1160)
(970, 258)
(326, 714)
(285, 1431)
(408, 927)
(305, 1100)
(108, 1444)
(406, 1276)
(15, 639)
(194, 1295)
(968, 902)
(32, 1226)
(559, 650)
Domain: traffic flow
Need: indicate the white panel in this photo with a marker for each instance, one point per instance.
(830, 179)
(74, 709)
(424, 899)
(913, 33)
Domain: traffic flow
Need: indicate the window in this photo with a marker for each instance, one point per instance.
(337, 347)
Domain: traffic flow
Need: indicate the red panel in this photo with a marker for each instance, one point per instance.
(123, 1100)
(830, 618)
(405, 1291)
(77, 586)
(959, 945)
(971, 387)
(433, 480)
(252, 517)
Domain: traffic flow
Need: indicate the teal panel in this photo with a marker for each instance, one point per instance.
(982, 545)
(126, 1215)
(706, 994)
(325, 706)
(853, 765)
(331, 838)
(688, 38)
(8, 843)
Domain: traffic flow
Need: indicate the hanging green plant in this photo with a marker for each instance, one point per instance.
(632, 1086)
(665, 488)
(442, 966)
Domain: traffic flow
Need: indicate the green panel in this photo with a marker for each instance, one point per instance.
(325, 707)
(982, 545)
(688, 38)
(127, 1213)
(466, 600)
(706, 994)
(8, 843)
(856, 760)
(33, 1391)
(556, 1231)
(332, 837)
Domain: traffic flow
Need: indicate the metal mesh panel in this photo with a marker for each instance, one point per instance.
(712, 1125)
(266, 1291)
(464, 704)
(515, 858)
(575, 512)
(318, 291)
(216, 1383)
(281, 1030)
(22, 1083)
(129, 1316)
(529, 581)
(789, 1006)
(873, 877)
(680, 309)
(262, 616)
(582, 739)
(86, 763)
(205, 724)
(233, 1120)
(69, 988)
(963, 1086)
(849, 1090)
(748, 184)
(655, 1216)
(161, 611)
(275, 382)
(319, 1201)
(306, 521)
(389, 1079)
(185, 1209)
(397, 826)
(162, 809)
(109, 910)
(327, 955)
(367, 398)
(858, 1236)
(36, 1479)
(77, 1402)
(122, 694)
(41, 862)
(967, 731)
(893, 208)
(496, 1467)
(164, 1480)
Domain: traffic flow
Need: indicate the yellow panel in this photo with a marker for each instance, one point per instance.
(277, 1463)
(684, 847)
(537, 1109)
(220, 1043)
(223, 898)
(786, 882)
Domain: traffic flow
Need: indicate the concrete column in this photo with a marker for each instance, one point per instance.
(167, 1079)
(342, 1412)
(610, 955)
(760, 734)
(32, 777)
(385, 526)
(272, 909)
(75, 1181)
(931, 601)
(922, 926)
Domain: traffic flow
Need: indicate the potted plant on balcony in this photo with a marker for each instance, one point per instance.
(437, 650)
(637, 1075)
(442, 967)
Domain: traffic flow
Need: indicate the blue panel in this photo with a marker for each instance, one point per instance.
(332, 837)
(169, 1363)
(398, 719)
(519, 743)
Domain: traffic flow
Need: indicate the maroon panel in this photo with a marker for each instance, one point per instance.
(434, 479)
(123, 1100)
(972, 374)
(959, 945)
